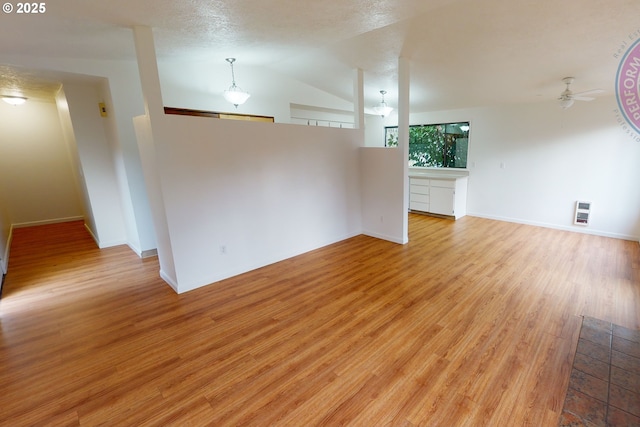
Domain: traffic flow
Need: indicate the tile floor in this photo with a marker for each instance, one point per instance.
(604, 389)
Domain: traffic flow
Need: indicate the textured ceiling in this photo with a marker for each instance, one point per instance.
(21, 82)
(463, 52)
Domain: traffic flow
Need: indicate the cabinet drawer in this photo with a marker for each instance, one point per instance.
(421, 198)
(444, 183)
(418, 189)
(419, 181)
(418, 206)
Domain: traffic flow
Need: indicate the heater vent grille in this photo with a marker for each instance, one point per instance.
(583, 213)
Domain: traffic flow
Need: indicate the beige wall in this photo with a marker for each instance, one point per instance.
(35, 167)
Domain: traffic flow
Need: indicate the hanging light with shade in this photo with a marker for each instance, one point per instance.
(235, 94)
(382, 109)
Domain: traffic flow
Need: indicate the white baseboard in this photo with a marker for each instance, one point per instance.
(143, 254)
(149, 253)
(46, 221)
(169, 281)
(93, 236)
(112, 243)
(574, 229)
(384, 237)
(4, 261)
(4, 265)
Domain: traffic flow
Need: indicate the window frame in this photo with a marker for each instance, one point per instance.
(389, 132)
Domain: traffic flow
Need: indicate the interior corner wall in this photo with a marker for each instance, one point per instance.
(97, 158)
(530, 163)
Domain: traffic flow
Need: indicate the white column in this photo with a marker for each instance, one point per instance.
(358, 99)
(149, 131)
(148, 70)
(404, 80)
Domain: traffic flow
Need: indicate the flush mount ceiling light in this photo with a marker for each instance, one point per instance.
(14, 100)
(382, 109)
(234, 94)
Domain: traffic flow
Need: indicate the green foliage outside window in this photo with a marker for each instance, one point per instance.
(439, 145)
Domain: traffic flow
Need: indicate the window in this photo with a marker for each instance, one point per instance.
(441, 145)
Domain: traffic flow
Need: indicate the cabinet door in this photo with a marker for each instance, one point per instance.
(441, 200)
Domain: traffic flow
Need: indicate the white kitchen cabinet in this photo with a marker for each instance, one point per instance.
(444, 195)
(419, 195)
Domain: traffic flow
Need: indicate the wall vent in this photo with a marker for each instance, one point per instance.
(583, 212)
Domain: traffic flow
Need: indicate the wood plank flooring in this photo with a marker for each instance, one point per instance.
(474, 322)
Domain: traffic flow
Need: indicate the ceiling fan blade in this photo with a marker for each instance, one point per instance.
(588, 92)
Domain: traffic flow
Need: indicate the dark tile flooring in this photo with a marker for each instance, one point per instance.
(604, 389)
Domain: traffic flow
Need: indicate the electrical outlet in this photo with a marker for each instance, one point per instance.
(223, 249)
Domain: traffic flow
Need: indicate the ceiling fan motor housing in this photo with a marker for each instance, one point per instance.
(567, 97)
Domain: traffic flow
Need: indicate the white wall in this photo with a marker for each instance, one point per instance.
(231, 196)
(126, 98)
(117, 154)
(382, 206)
(35, 168)
(98, 157)
(551, 158)
(67, 130)
(240, 195)
(374, 130)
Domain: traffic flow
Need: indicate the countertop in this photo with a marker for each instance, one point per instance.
(436, 175)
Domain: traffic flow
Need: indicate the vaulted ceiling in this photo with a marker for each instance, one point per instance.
(463, 52)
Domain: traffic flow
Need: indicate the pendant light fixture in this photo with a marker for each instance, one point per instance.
(14, 100)
(234, 94)
(382, 109)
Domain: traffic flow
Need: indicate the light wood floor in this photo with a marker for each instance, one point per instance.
(474, 322)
